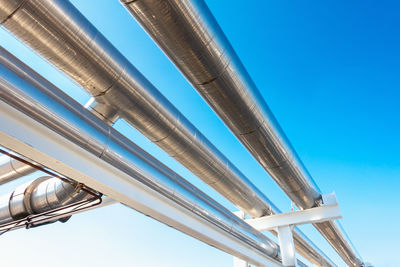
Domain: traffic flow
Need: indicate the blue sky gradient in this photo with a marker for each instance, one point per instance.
(329, 71)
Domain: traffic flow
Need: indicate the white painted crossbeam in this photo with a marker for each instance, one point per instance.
(313, 215)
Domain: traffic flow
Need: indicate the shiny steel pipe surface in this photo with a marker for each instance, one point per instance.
(103, 111)
(63, 36)
(27, 91)
(188, 33)
(40, 195)
(57, 31)
(190, 36)
(11, 169)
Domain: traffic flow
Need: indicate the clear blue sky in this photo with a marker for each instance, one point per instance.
(329, 71)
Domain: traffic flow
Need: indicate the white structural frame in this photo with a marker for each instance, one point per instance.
(22, 134)
(283, 224)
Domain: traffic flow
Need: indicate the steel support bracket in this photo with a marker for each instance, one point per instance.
(327, 212)
(283, 224)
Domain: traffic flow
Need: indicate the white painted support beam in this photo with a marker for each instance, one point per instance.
(283, 224)
(313, 215)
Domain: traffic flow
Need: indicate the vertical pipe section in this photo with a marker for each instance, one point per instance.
(190, 36)
(63, 36)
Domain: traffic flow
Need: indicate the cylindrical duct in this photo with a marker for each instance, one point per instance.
(189, 34)
(58, 32)
(31, 94)
(40, 195)
(62, 35)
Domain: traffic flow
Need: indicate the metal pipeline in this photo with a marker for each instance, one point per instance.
(63, 36)
(40, 195)
(31, 94)
(190, 36)
(11, 169)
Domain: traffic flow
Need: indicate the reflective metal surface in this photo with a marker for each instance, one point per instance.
(57, 31)
(103, 111)
(53, 194)
(11, 169)
(25, 90)
(5, 215)
(190, 36)
(40, 195)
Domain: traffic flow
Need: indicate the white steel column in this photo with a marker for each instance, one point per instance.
(239, 262)
(286, 243)
(283, 224)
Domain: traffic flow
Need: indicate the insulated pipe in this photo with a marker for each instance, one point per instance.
(103, 111)
(40, 195)
(190, 36)
(45, 193)
(31, 94)
(63, 36)
(11, 169)
(57, 31)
